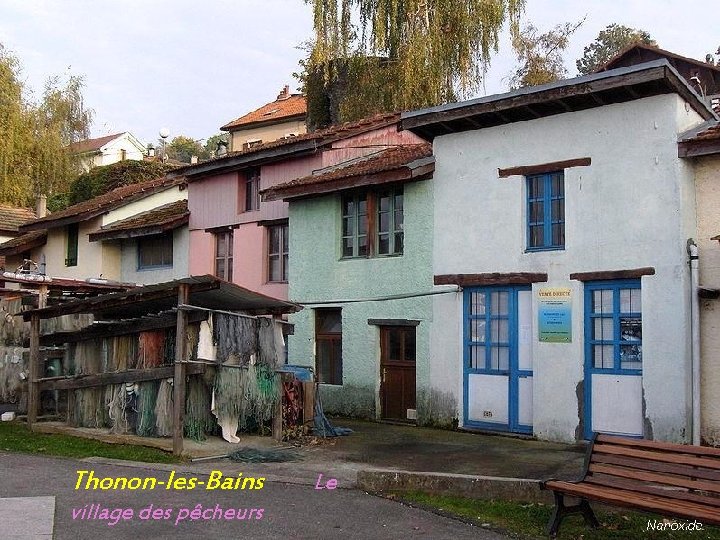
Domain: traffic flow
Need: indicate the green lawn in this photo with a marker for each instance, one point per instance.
(529, 520)
(16, 437)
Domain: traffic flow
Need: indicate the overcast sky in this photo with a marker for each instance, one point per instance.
(192, 66)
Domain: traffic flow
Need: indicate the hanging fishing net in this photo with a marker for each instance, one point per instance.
(263, 455)
(11, 368)
(234, 337)
(164, 409)
(199, 421)
(90, 409)
(147, 398)
(119, 408)
(151, 349)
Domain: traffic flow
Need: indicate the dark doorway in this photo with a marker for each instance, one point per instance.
(397, 372)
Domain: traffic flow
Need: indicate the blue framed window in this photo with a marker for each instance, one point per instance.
(488, 331)
(613, 326)
(546, 211)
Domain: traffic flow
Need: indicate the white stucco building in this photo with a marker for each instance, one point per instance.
(563, 213)
(108, 149)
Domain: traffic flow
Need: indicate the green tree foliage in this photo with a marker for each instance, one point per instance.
(382, 55)
(34, 135)
(211, 144)
(540, 56)
(610, 42)
(15, 133)
(105, 178)
(182, 148)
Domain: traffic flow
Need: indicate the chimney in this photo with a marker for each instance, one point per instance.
(284, 93)
(193, 160)
(41, 206)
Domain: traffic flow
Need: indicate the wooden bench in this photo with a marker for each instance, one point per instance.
(668, 479)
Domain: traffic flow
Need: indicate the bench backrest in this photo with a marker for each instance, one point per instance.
(655, 469)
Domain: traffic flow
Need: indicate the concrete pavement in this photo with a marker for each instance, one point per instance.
(27, 518)
(289, 510)
(380, 457)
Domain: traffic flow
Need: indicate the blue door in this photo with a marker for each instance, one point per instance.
(613, 358)
(498, 358)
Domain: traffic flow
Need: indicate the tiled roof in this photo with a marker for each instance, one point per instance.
(103, 203)
(163, 218)
(276, 111)
(11, 217)
(318, 138)
(92, 145)
(372, 169)
(24, 242)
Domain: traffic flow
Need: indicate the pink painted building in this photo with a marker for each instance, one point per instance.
(240, 238)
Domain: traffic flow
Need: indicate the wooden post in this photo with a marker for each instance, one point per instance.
(34, 368)
(308, 403)
(180, 364)
(277, 421)
(33, 393)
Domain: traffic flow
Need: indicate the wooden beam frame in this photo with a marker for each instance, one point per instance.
(633, 273)
(525, 170)
(393, 322)
(697, 148)
(470, 280)
(125, 328)
(118, 377)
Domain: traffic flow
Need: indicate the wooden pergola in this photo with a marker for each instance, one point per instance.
(175, 303)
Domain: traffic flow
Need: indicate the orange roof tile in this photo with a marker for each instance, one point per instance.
(281, 109)
(102, 203)
(11, 217)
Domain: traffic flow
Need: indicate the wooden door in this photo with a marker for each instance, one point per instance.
(397, 372)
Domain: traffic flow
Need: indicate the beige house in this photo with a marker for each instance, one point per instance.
(701, 147)
(136, 233)
(282, 118)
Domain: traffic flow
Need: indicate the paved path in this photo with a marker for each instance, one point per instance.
(289, 510)
(27, 518)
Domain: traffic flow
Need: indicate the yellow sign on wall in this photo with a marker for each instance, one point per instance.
(555, 314)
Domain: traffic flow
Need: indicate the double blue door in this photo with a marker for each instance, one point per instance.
(498, 392)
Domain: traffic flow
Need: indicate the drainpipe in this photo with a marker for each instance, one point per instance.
(695, 326)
